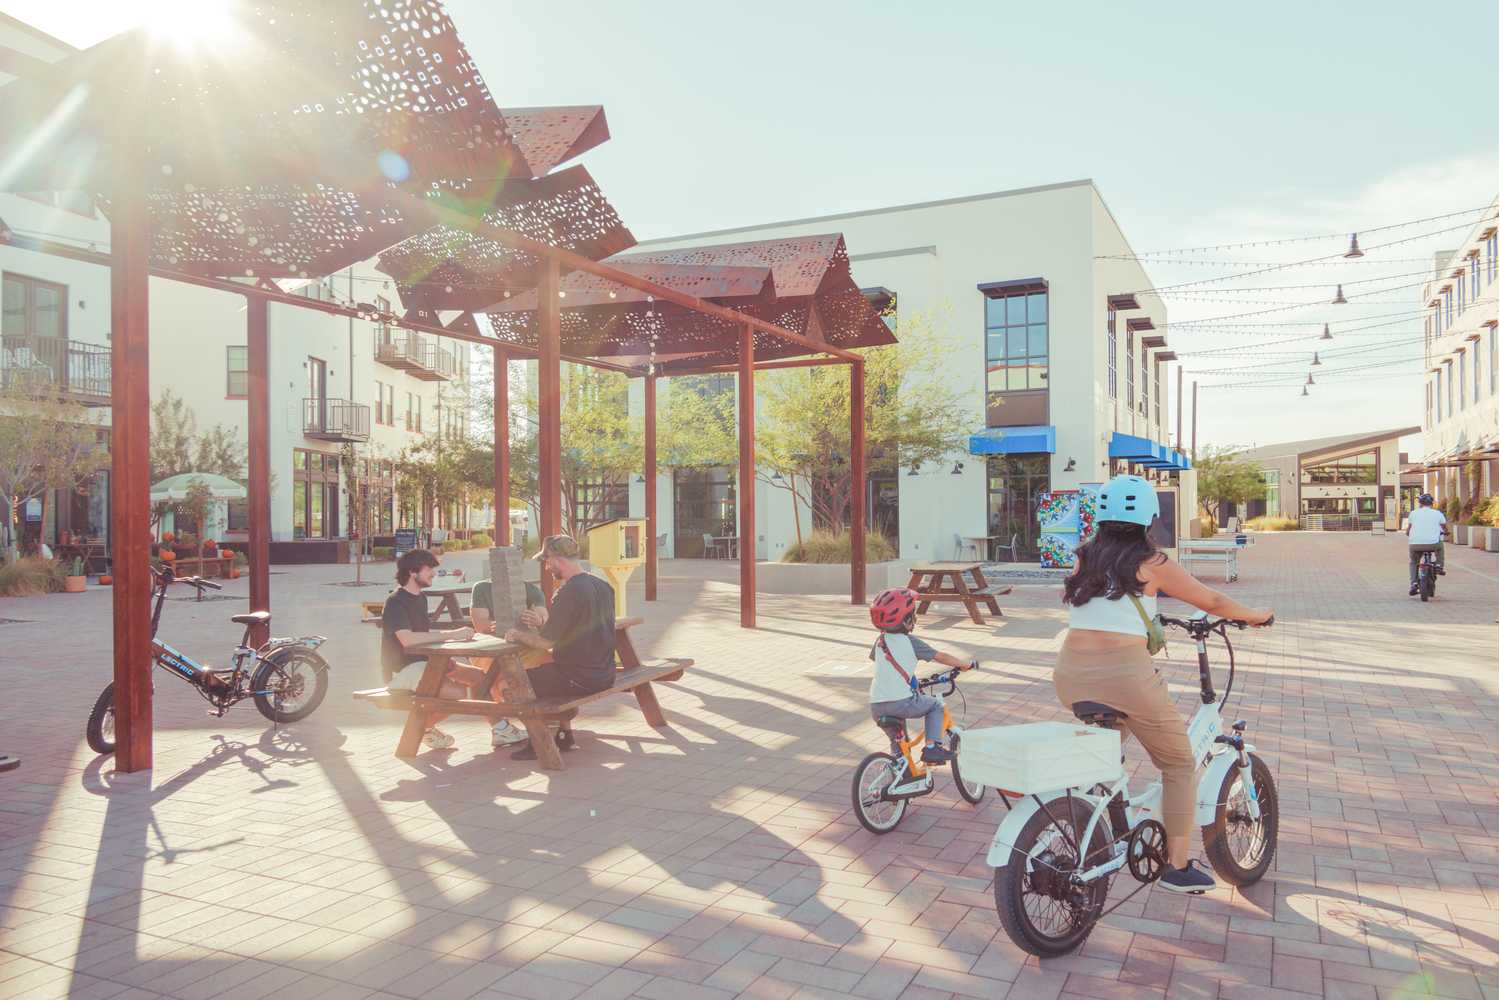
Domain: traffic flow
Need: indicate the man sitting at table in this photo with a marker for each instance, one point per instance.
(503, 733)
(404, 623)
(578, 631)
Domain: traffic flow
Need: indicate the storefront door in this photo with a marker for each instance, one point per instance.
(1015, 481)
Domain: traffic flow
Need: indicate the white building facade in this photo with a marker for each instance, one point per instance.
(1055, 344)
(1461, 423)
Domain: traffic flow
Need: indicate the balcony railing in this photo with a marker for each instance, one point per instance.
(421, 356)
(335, 419)
(78, 371)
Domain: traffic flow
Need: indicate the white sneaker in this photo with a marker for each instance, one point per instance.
(506, 734)
(436, 739)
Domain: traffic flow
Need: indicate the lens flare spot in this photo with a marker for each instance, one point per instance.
(394, 166)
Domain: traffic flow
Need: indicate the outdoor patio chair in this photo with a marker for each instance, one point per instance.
(712, 547)
(962, 545)
(1013, 548)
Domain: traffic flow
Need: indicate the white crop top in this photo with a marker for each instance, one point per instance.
(1104, 615)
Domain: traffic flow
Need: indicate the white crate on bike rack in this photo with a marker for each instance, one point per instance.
(1040, 756)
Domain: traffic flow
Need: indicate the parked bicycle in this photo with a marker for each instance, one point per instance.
(885, 783)
(1056, 852)
(287, 677)
(1426, 575)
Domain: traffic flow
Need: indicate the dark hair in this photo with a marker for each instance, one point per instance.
(1108, 563)
(412, 561)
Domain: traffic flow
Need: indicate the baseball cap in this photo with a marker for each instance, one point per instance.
(557, 545)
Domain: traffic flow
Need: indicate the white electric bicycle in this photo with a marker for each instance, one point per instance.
(1056, 852)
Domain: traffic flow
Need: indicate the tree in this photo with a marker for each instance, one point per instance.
(177, 447)
(1225, 480)
(913, 415)
(47, 442)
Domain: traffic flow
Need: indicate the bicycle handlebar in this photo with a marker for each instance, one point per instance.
(950, 679)
(1203, 626)
(166, 576)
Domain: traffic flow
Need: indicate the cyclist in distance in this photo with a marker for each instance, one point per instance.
(1105, 657)
(1426, 527)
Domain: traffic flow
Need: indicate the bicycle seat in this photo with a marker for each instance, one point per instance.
(1096, 713)
(892, 725)
(252, 618)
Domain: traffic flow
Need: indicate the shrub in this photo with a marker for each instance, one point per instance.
(480, 540)
(240, 559)
(1209, 526)
(1451, 507)
(830, 547)
(383, 552)
(1486, 512)
(1271, 522)
(531, 546)
(29, 577)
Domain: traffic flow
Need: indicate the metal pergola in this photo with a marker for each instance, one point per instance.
(316, 139)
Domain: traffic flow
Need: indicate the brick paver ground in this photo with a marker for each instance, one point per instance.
(719, 858)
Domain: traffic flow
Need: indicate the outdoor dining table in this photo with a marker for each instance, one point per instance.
(730, 543)
(950, 581)
(448, 603)
(440, 653)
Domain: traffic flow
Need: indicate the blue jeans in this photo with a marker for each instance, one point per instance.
(914, 707)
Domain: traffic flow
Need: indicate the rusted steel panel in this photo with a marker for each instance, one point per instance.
(549, 137)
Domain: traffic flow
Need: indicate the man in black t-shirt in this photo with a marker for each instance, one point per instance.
(578, 630)
(404, 622)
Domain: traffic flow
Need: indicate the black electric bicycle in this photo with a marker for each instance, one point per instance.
(287, 677)
(1426, 575)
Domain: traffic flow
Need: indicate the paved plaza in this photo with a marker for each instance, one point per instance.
(719, 857)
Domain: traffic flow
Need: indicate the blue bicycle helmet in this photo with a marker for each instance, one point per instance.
(1128, 499)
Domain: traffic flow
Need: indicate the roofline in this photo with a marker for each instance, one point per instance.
(37, 33)
(1293, 449)
(1356, 442)
(734, 231)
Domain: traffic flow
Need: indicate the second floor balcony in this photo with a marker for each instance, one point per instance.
(75, 370)
(417, 354)
(335, 419)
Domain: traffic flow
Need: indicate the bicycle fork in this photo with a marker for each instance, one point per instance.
(1246, 768)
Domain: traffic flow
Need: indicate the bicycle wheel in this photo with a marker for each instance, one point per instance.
(291, 686)
(1241, 848)
(1428, 585)
(1040, 908)
(872, 777)
(100, 731)
(972, 791)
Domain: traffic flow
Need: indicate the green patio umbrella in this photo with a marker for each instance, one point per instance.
(176, 487)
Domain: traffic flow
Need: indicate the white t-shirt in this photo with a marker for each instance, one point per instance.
(1426, 525)
(888, 685)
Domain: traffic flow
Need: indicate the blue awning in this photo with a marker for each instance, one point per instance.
(1146, 452)
(1038, 438)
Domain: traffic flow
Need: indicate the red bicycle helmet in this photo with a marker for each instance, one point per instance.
(893, 609)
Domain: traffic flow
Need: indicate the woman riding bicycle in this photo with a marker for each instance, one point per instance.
(1112, 596)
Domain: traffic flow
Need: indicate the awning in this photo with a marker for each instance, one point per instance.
(1143, 451)
(1037, 438)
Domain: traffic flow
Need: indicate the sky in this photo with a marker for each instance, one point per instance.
(1201, 124)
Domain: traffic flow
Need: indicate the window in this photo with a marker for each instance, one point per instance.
(379, 402)
(1477, 374)
(1493, 257)
(418, 427)
(1272, 490)
(1350, 470)
(390, 406)
(1113, 354)
(1462, 381)
(238, 386)
(409, 404)
(1428, 404)
(1157, 392)
(1493, 361)
(34, 308)
(1450, 410)
(1144, 382)
(1437, 316)
(1447, 306)
(314, 497)
(1017, 359)
(1438, 395)
(1129, 369)
(1473, 270)
(1462, 293)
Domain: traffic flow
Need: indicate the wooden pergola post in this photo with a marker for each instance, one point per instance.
(501, 447)
(130, 465)
(652, 563)
(858, 570)
(746, 492)
(259, 433)
(549, 398)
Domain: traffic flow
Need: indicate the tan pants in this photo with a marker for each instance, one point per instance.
(1126, 679)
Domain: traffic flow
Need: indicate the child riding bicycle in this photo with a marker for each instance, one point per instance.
(893, 689)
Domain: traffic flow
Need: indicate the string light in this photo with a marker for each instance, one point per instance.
(1310, 239)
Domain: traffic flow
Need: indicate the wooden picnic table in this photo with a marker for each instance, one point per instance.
(949, 581)
(448, 603)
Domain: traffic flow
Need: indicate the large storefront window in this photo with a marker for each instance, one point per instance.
(1017, 357)
(1352, 470)
(595, 503)
(1015, 481)
(314, 495)
(704, 505)
(1272, 490)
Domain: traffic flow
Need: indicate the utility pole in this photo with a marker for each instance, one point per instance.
(1194, 421)
(1179, 402)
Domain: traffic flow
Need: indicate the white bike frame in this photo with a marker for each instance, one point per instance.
(1213, 752)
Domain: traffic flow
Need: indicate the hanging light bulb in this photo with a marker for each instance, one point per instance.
(1326, 332)
(1338, 299)
(1353, 250)
(1315, 360)
(1309, 379)
(1304, 391)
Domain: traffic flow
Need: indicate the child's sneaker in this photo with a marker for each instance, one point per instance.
(936, 753)
(436, 739)
(506, 734)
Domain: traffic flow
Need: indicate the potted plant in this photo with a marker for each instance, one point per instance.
(74, 582)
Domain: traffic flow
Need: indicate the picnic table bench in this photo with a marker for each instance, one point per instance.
(1224, 550)
(448, 607)
(513, 660)
(949, 581)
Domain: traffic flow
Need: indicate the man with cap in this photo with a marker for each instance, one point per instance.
(578, 632)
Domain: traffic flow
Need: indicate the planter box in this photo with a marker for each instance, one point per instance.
(1460, 534)
(1491, 539)
(1478, 537)
(826, 578)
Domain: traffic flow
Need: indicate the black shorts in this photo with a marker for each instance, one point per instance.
(552, 681)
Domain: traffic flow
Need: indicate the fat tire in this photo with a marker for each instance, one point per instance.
(957, 775)
(94, 731)
(269, 666)
(1215, 834)
(900, 806)
(1009, 885)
